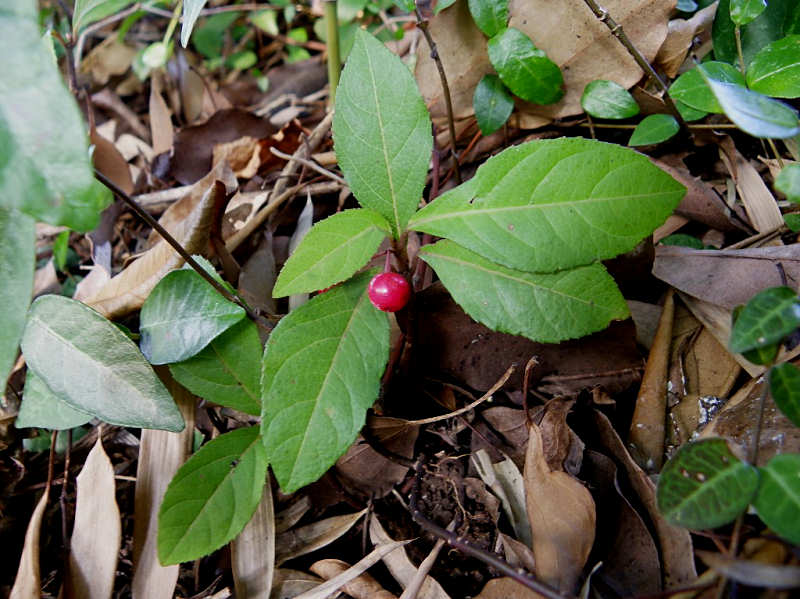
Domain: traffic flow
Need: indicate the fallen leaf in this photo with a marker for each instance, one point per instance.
(108, 58)
(97, 530)
(753, 573)
(504, 588)
(562, 516)
(287, 583)
(27, 583)
(253, 552)
(160, 117)
(362, 586)
(517, 554)
(505, 480)
(291, 514)
(299, 541)
(680, 37)
(109, 161)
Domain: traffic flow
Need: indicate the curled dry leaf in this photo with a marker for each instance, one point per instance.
(308, 538)
(189, 222)
(562, 515)
(253, 552)
(680, 38)
(27, 582)
(362, 586)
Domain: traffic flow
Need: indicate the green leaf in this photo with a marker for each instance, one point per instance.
(767, 318)
(682, 240)
(691, 89)
(788, 182)
(553, 204)
(778, 499)
(227, 371)
(382, 132)
(333, 250)
(182, 315)
(654, 129)
(762, 355)
(321, 372)
(792, 221)
(704, 485)
(440, 6)
(90, 364)
(491, 16)
(191, 10)
(526, 70)
(688, 113)
(212, 497)
(87, 12)
(781, 18)
(784, 384)
(547, 308)
(752, 112)
(60, 247)
(17, 260)
(775, 70)
(687, 5)
(744, 11)
(41, 408)
(608, 100)
(493, 104)
(44, 166)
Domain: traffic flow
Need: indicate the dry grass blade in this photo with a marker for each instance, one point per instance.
(411, 591)
(311, 537)
(362, 586)
(27, 583)
(253, 552)
(97, 531)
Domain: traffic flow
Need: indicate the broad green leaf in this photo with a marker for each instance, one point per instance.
(682, 240)
(491, 16)
(41, 408)
(525, 69)
(493, 104)
(688, 113)
(654, 129)
(87, 12)
(44, 166)
(553, 204)
(762, 355)
(744, 11)
(792, 221)
(191, 10)
(704, 485)
(182, 315)
(691, 89)
(266, 20)
(767, 318)
(228, 370)
(781, 18)
(784, 384)
(778, 499)
(212, 497)
(17, 260)
(321, 372)
(775, 70)
(90, 364)
(547, 308)
(754, 113)
(788, 182)
(608, 100)
(333, 250)
(382, 132)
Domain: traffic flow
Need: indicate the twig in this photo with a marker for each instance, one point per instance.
(422, 23)
(526, 379)
(334, 59)
(86, 32)
(310, 164)
(421, 574)
(616, 30)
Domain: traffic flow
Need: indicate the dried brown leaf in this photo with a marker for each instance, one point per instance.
(753, 573)
(680, 38)
(308, 538)
(362, 586)
(27, 583)
(109, 161)
(161, 131)
(253, 552)
(504, 588)
(517, 554)
(288, 583)
(291, 514)
(110, 57)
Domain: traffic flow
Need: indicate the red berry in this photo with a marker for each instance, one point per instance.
(389, 291)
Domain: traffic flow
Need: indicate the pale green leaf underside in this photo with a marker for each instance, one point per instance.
(212, 497)
(191, 10)
(321, 372)
(41, 408)
(228, 370)
(334, 249)
(382, 132)
(94, 367)
(554, 204)
(543, 307)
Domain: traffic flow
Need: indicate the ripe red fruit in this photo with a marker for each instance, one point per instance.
(389, 291)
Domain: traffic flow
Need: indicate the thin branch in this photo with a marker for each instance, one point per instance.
(310, 164)
(334, 60)
(87, 31)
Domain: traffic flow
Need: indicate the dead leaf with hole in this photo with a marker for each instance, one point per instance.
(28, 582)
(680, 38)
(189, 222)
(362, 586)
(562, 516)
(110, 57)
(97, 530)
(305, 539)
(253, 551)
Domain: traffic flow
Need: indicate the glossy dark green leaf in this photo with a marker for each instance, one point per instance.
(321, 373)
(778, 499)
(493, 104)
(704, 485)
(763, 356)
(784, 384)
(767, 318)
(525, 69)
(682, 240)
(754, 113)
(42, 408)
(182, 315)
(654, 129)
(744, 11)
(788, 182)
(212, 497)
(775, 70)
(691, 89)
(44, 164)
(547, 308)
(688, 113)
(227, 372)
(781, 18)
(491, 16)
(608, 100)
(792, 221)
(94, 367)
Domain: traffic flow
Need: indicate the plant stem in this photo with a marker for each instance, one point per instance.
(616, 30)
(737, 33)
(334, 58)
(422, 23)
